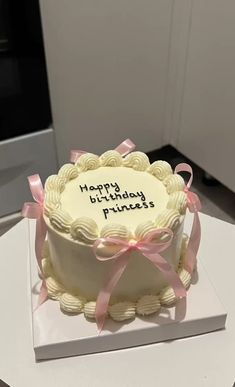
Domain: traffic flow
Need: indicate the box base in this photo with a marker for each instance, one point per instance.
(58, 335)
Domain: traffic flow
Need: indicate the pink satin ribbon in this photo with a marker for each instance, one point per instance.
(194, 206)
(124, 148)
(147, 247)
(75, 154)
(34, 210)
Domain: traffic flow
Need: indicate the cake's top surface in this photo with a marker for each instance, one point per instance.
(113, 195)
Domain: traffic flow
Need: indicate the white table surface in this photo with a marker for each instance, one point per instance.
(207, 360)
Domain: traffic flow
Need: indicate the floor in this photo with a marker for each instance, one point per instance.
(216, 199)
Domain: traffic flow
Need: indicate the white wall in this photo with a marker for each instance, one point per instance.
(205, 131)
(108, 65)
(159, 72)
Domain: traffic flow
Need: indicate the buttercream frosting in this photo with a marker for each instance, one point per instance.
(119, 310)
(87, 161)
(68, 172)
(46, 267)
(111, 159)
(167, 297)
(106, 189)
(174, 183)
(85, 230)
(54, 289)
(45, 249)
(111, 196)
(160, 169)
(144, 228)
(168, 218)
(89, 310)
(122, 311)
(61, 220)
(178, 201)
(137, 160)
(148, 304)
(51, 202)
(71, 304)
(54, 183)
(185, 277)
(115, 230)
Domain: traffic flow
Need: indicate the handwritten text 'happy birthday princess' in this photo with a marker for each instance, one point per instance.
(110, 192)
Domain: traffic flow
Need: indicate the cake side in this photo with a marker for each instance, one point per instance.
(119, 309)
(76, 267)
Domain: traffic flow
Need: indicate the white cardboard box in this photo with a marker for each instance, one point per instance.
(58, 335)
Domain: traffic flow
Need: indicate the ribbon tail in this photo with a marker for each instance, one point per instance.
(104, 295)
(193, 244)
(39, 240)
(169, 273)
(43, 294)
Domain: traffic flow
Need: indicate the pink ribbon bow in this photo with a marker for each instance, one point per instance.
(194, 206)
(34, 210)
(124, 148)
(150, 249)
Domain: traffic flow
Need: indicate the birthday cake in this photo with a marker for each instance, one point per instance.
(115, 244)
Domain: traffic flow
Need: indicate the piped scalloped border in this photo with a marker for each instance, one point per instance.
(85, 230)
(119, 311)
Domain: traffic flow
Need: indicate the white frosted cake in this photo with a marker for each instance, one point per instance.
(93, 206)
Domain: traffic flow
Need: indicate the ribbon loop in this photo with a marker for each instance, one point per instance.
(194, 204)
(75, 154)
(117, 246)
(124, 148)
(184, 167)
(36, 188)
(157, 240)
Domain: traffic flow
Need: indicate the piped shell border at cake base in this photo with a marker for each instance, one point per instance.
(146, 305)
